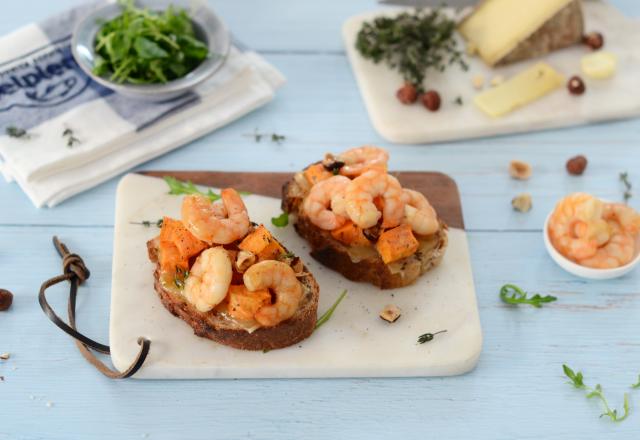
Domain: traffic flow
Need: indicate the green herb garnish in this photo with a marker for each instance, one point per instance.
(257, 136)
(70, 137)
(144, 47)
(148, 223)
(16, 132)
(428, 336)
(411, 43)
(180, 277)
(459, 100)
(178, 187)
(512, 294)
(280, 221)
(577, 380)
(326, 315)
(624, 178)
(637, 384)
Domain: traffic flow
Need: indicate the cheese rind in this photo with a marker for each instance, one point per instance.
(525, 87)
(505, 31)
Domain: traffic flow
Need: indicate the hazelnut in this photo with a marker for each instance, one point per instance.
(390, 313)
(6, 299)
(244, 260)
(522, 202)
(431, 100)
(594, 40)
(477, 81)
(407, 94)
(497, 80)
(576, 165)
(576, 85)
(331, 163)
(519, 170)
(297, 265)
(5, 356)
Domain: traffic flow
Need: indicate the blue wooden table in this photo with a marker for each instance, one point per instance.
(517, 389)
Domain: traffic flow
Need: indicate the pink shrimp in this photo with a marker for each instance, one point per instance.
(359, 199)
(316, 204)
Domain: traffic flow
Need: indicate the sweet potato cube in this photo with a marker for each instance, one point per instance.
(396, 243)
(350, 234)
(243, 304)
(174, 231)
(317, 172)
(262, 244)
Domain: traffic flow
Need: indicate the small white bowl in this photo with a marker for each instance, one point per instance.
(587, 272)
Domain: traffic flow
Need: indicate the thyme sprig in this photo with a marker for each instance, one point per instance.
(429, 336)
(512, 294)
(275, 137)
(412, 43)
(70, 137)
(624, 178)
(17, 132)
(327, 315)
(178, 187)
(148, 223)
(577, 380)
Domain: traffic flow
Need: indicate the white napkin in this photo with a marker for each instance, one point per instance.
(115, 133)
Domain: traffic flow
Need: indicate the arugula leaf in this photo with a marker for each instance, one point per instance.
(143, 47)
(178, 187)
(519, 296)
(327, 315)
(577, 380)
(637, 384)
(281, 221)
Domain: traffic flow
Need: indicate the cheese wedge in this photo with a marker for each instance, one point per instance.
(527, 86)
(505, 31)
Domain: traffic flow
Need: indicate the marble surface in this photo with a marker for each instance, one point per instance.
(354, 343)
(614, 98)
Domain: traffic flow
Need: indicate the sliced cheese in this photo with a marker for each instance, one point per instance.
(520, 90)
(511, 30)
(599, 65)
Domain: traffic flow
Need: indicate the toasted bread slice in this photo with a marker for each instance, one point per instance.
(359, 263)
(219, 327)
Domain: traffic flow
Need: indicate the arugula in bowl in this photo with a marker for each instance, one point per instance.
(147, 47)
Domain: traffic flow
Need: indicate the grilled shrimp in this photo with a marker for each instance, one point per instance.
(576, 227)
(216, 224)
(316, 204)
(281, 279)
(360, 159)
(359, 199)
(209, 279)
(419, 213)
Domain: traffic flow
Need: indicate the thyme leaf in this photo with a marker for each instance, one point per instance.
(577, 380)
(512, 294)
(624, 178)
(412, 43)
(16, 132)
(275, 137)
(180, 277)
(148, 223)
(70, 137)
(178, 187)
(327, 315)
(429, 336)
(280, 221)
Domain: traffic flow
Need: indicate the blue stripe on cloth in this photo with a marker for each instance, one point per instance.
(45, 83)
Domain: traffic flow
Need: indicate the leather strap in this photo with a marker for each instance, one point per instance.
(75, 271)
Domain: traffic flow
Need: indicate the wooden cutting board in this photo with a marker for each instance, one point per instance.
(355, 342)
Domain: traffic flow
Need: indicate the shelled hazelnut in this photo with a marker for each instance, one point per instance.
(576, 165)
(6, 299)
(595, 40)
(407, 94)
(431, 100)
(576, 85)
(522, 202)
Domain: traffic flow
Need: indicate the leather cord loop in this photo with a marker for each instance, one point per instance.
(75, 271)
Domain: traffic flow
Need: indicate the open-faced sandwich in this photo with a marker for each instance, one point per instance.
(230, 279)
(360, 222)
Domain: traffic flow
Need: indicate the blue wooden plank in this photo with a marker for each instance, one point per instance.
(518, 382)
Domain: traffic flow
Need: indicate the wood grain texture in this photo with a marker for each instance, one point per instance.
(516, 392)
(440, 189)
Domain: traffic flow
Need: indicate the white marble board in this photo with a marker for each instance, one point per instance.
(354, 343)
(614, 98)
